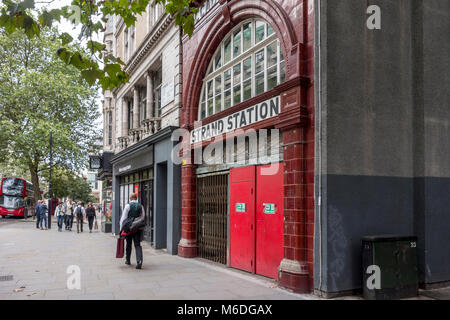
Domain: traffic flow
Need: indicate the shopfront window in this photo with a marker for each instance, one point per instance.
(247, 63)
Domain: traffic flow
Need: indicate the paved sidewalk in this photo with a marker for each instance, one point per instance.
(38, 261)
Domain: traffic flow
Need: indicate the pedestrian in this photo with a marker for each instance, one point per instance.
(36, 213)
(134, 215)
(59, 214)
(79, 214)
(91, 215)
(69, 214)
(43, 209)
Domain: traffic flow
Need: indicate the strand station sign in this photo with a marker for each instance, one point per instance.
(251, 115)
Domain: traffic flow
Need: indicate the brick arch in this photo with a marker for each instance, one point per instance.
(219, 27)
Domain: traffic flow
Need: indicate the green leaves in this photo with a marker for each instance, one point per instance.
(92, 14)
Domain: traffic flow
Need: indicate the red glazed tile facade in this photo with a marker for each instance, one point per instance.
(293, 23)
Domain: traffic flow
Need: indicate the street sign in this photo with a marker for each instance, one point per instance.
(240, 207)
(269, 208)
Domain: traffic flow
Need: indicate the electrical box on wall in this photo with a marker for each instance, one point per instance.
(389, 265)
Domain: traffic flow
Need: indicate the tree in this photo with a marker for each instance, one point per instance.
(65, 183)
(93, 14)
(40, 94)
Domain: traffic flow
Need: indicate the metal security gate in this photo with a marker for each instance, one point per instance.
(212, 208)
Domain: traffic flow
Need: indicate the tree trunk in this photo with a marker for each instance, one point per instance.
(35, 182)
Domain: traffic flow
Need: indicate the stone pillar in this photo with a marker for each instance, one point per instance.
(149, 95)
(136, 122)
(124, 118)
(293, 270)
(187, 247)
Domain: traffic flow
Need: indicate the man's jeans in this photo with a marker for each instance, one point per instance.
(60, 222)
(43, 217)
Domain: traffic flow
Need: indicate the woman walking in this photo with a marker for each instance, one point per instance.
(90, 212)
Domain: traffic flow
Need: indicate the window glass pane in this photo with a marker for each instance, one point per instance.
(211, 69)
(282, 72)
(259, 31)
(237, 94)
(281, 55)
(227, 50)
(237, 74)
(247, 36)
(247, 89)
(259, 86)
(269, 30)
(203, 96)
(271, 77)
(203, 110)
(227, 79)
(259, 61)
(218, 103)
(227, 99)
(210, 89)
(218, 88)
(237, 43)
(218, 60)
(210, 107)
(247, 68)
(272, 50)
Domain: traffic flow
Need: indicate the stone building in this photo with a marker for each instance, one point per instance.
(139, 118)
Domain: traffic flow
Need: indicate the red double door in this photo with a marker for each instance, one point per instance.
(256, 219)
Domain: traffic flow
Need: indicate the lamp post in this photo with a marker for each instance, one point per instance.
(50, 206)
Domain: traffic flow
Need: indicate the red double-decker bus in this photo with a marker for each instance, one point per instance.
(16, 197)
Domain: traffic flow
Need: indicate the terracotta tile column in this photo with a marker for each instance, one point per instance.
(293, 271)
(187, 247)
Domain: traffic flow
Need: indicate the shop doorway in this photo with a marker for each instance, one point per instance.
(146, 199)
(256, 219)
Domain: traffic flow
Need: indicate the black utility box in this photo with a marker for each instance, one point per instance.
(394, 259)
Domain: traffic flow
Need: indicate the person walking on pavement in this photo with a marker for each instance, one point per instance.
(90, 213)
(36, 213)
(43, 209)
(133, 214)
(59, 214)
(79, 214)
(69, 214)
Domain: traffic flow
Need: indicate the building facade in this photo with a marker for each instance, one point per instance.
(248, 69)
(139, 119)
(304, 129)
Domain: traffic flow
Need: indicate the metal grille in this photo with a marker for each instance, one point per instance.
(212, 208)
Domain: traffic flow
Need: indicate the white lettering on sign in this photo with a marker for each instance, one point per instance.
(262, 111)
(125, 168)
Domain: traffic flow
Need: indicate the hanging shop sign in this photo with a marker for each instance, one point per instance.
(254, 114)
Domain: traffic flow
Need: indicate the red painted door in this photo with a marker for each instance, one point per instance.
(269, 221)
(242, 218)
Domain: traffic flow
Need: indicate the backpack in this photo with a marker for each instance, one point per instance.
(78, 211)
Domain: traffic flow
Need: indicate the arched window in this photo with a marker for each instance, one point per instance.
(248, 62)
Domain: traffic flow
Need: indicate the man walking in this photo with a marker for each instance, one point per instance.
(36, 213)
(43, 209)
(90, 213)
(136, 213)
(59, 214)
(68, 219)
(79, 213)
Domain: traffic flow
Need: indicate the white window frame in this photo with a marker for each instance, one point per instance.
(263, 44)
